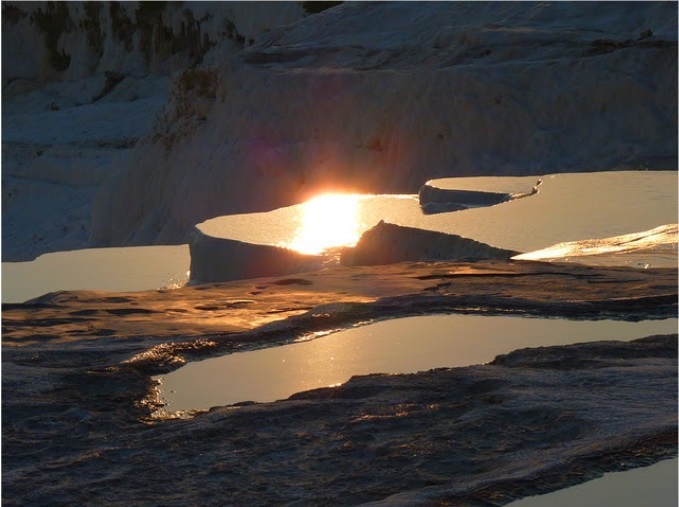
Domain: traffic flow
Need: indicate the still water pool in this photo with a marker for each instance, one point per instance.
(393, 346)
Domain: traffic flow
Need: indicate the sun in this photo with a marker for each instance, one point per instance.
(327, 221)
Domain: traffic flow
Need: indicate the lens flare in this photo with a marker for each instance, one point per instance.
(327, 221)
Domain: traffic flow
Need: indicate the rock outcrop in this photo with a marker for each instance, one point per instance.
(388, 243)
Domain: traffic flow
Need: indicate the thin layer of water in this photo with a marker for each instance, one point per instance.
(568, 207)
(394, 346)
(114, 269)
(653, 485)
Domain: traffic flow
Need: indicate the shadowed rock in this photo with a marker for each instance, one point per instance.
(388, 243)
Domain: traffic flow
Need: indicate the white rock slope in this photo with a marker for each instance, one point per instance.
(383, 96)
(81, 83)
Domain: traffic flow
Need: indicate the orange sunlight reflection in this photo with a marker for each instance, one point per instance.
(327, 221)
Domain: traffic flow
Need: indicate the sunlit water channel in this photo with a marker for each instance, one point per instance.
(394, 346)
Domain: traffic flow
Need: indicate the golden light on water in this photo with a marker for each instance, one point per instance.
(327, 221)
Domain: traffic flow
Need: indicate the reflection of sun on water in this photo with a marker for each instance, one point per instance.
(327, 221)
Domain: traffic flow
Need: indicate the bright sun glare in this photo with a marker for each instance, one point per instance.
(327, 221)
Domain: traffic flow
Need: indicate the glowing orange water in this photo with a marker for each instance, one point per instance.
(327, 221)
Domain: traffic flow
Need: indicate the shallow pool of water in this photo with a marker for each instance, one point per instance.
(568, 207)
(394, 346)
(123, 269)
(654, 485)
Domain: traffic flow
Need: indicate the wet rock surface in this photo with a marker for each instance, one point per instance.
(77, 400)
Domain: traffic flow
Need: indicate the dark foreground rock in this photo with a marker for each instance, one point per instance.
(78, 395)
(223, 311)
